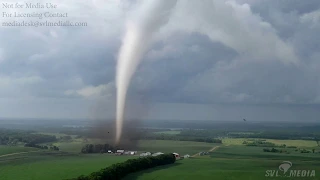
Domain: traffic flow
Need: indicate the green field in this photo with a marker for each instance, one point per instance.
(297, 143)
(76, 144)
(247, 152)
(46, 164)
(58, 135)
(70, 146)
(227, 162)
(53, 166)
(232, 162)
(14, 149)
(181, 147)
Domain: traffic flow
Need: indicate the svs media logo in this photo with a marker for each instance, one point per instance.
(285, 171)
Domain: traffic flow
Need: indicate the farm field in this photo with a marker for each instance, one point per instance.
(182, 147)
(230, 160)
(247, 152)
(224, 163)
(58, 135)
(54, 166)
(75, 145)
(70, 163)
(14, 149)
(297, 143)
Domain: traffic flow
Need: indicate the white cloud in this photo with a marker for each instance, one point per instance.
(312, 17)
(104, 90)
(235, 26)
(17, 87)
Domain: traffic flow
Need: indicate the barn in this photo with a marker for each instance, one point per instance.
(119, 152)
(176, 155)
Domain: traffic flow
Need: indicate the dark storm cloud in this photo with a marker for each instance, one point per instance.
(210, 52)
(243, 78)
(170, 65)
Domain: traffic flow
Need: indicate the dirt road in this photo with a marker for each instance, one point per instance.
(212, 149)
(11, 154)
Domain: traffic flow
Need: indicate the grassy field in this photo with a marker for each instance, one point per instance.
(233, 141)
(14, 149)
(247, 152)
(39, 166)
(232, 163)
(220, 169)
(297, 143)
(166, 146)
(58, 135)
(68, 164)
(76, 144)
(227, 162)
(181, 147)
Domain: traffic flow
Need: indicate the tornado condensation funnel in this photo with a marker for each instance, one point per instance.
(151, 16)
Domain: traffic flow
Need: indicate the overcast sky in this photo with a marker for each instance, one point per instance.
(214, 60)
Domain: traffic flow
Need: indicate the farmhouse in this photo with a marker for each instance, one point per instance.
(186, 156)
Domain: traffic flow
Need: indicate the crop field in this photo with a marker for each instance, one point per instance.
(44, 164)
(246, 152)
(76, 144)
(14, 149)
(181, 147)
(229, 161)
(233, 141)
(225, 163)
(58, 135)
(297, 143)
(53, 166)
(165, 146)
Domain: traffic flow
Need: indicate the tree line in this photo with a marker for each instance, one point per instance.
(97, 148)
(120, 170)
(275, 150)
(290, 135)
(55, 148)
(12, 137)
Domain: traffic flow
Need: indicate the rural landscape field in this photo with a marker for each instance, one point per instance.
(160, 90)
(212, 153)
